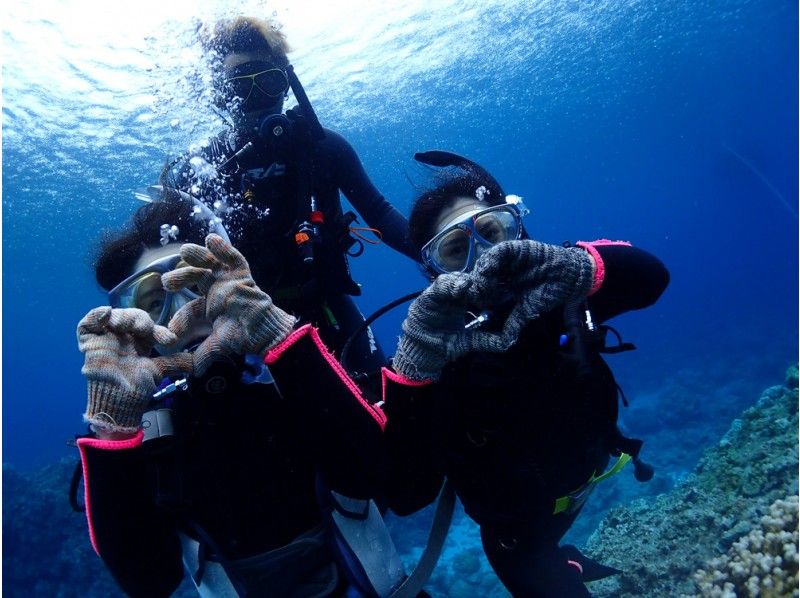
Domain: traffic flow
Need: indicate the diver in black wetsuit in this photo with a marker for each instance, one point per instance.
(501, 384)
(211, 441)
(275, 180)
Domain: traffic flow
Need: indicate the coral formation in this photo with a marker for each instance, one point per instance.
(660, 543)
(791, 376)
(762, 563)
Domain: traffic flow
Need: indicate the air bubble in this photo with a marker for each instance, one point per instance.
(168, 233)
(202, 168)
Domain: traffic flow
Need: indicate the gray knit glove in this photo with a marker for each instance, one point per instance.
(540, 276)
(526, 264)
(122, 377)
(243, 317)
(434, 333)
(537, 277)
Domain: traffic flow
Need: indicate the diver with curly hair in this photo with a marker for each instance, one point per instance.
(499, 383)
(218, 425)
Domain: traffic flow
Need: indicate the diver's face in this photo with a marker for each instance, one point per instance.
(465, 229)
(257, 82)
(150, 296)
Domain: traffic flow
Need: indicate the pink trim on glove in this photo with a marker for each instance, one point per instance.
(106, 445)
(599, 266)
(387, 374)
(275, 353)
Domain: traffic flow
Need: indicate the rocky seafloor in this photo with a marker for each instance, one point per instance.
(727, 529)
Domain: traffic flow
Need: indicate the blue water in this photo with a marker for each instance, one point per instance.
(671, 124)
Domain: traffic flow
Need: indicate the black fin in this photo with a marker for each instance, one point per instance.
(591, 570)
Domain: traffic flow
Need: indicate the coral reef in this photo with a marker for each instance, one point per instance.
(46, 548)
(791, 376)
(660, 543)
(762, 563)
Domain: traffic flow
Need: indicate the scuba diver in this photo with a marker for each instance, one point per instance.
(214, 441)
(499, 383)
(275, 180)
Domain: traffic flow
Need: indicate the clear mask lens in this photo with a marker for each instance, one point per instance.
(145, 291)
(456, 249)
(451, 250)
(496, 227)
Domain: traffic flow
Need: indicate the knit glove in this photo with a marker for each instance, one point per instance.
(243, 317)
(535, 276)
(525, 265)
(540, 277)
(434, 332)
(122, 377)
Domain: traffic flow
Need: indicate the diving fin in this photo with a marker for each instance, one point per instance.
(590, 570)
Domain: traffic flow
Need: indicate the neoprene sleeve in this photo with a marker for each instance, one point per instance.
(415, 472)
(633, 279)
(352, 179)
(348, 430)
(137, 543)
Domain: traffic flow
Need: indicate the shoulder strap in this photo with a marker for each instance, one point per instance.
(584, 336)
(430, 556)
(358, 529)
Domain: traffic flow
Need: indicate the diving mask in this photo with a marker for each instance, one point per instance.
(145, 291)
(460, 243)
(258, 84)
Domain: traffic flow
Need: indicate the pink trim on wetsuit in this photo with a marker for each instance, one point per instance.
(599, 266)
(105, 445)
(387, 374)
(275, 353)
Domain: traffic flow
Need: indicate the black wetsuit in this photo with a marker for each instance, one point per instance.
(238, 475)
(518, 430)
(270, 186)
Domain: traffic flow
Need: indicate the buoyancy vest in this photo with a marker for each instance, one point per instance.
(537, 421)
(224, 545)
(282, 208)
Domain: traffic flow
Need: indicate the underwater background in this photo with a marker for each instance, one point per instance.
(670, 124)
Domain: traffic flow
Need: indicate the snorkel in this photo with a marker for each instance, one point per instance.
(443, 159)
(305, 105)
